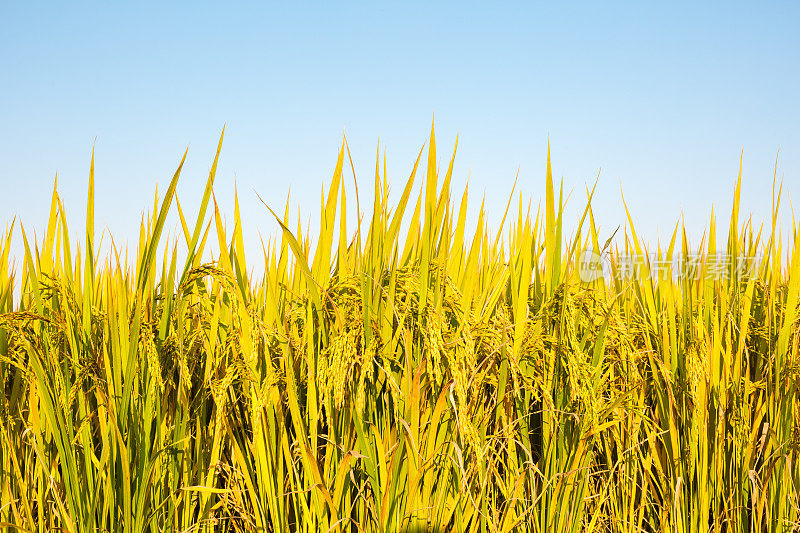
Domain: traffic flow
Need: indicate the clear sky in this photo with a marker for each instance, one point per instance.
(659, 99)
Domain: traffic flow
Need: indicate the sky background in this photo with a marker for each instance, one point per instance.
(659, 100)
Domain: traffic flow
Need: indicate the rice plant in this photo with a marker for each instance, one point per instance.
(439, 378)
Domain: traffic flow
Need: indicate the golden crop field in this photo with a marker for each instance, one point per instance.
(439, 378)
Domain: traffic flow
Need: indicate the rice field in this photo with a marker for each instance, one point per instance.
(377, 378)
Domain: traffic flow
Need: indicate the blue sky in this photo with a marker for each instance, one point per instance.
(660, 100)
